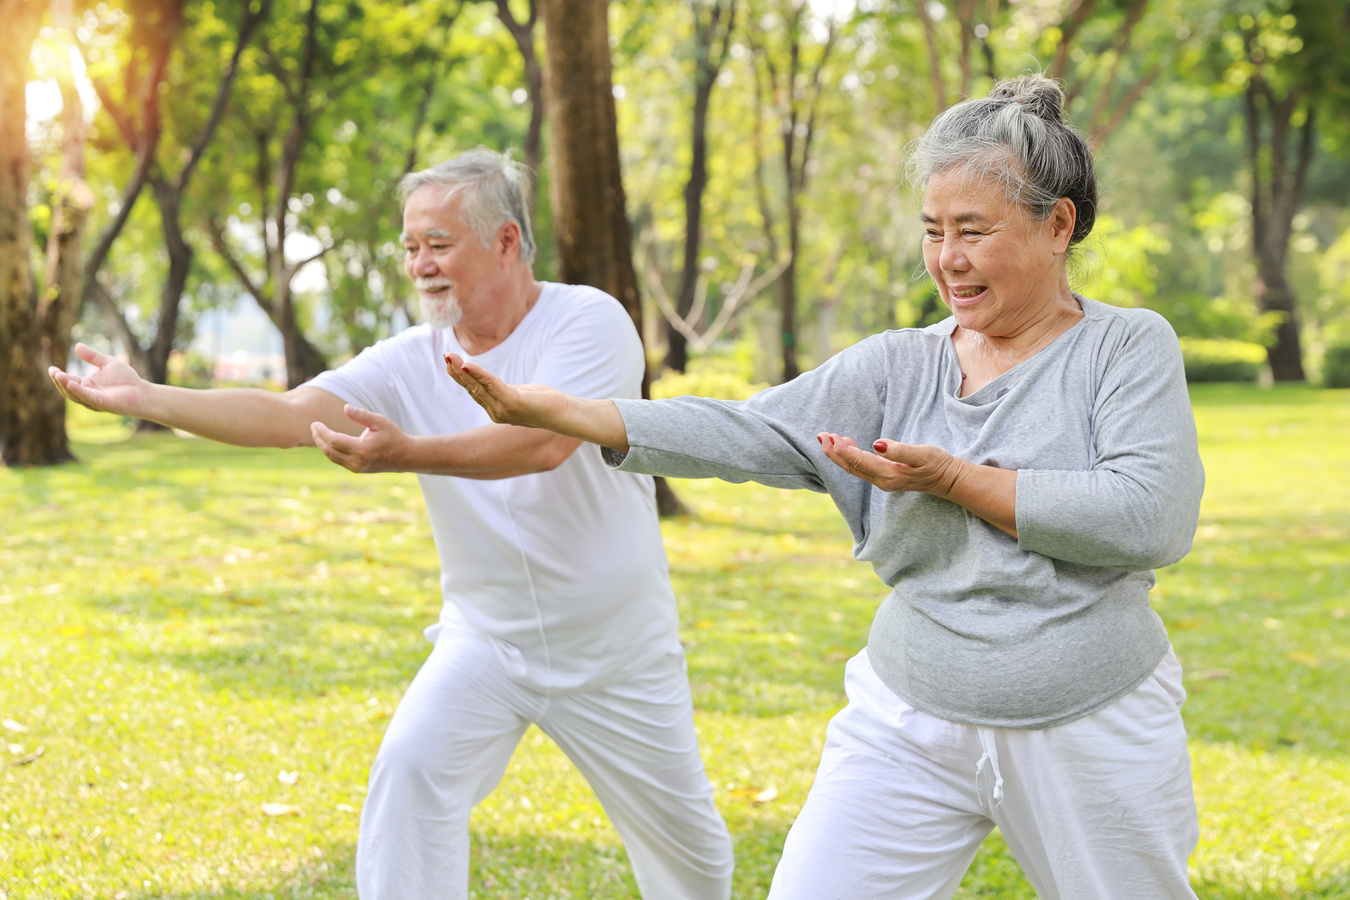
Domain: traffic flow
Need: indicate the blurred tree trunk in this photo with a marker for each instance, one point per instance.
(794, 89)
(1278, 180)
(307, 87)
(28, 433)
(586, 183)
(523, 33)
(708, 61)
(59, 305)
(170, 189)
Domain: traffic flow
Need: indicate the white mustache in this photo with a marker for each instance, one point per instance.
(431, 284)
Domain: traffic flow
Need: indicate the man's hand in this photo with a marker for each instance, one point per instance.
(114, 387)
(381, 447)
(895, 466)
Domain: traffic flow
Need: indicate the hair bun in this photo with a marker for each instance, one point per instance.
(1041, 96)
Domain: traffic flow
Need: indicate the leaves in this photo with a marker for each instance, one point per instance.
(279, 809)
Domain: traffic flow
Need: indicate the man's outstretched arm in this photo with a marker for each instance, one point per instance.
(489, 452)
(246, 417)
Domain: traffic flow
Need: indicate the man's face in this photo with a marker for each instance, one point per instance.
(447, 262)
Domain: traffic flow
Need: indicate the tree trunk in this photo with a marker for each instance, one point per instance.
(1277, 194)
(27, 434)
(523, 33)
(590, 217)
(706, 68)
(59, 305)
(677, 354)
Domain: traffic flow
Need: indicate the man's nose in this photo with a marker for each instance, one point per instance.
(421, 263)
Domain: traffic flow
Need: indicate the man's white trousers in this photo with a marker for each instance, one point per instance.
(452, 736)
(1099, 808)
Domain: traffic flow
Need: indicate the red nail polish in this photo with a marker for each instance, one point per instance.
(879, 446)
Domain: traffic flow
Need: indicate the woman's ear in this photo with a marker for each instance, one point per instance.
(1062, 220)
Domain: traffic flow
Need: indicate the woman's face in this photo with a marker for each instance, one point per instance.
(997, 269)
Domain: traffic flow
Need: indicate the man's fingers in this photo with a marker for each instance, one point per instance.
(364, 417)
(90, 355)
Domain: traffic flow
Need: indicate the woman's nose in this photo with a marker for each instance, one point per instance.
(951, 259)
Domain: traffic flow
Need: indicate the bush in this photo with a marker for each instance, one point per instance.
(1336, 366)
(1213, 359)
(704, 383)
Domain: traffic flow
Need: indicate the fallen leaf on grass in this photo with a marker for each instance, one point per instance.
(13, 726)
(345, 807)
(288, 777)
(1306, 659)
(32, 757)
(280, 809)
(1212, 675)
(757, 795)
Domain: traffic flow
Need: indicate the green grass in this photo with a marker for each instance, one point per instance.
(183, 622)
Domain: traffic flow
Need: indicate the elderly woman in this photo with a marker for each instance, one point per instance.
(1030, 461)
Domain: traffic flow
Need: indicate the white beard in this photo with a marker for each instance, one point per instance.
(438, 312)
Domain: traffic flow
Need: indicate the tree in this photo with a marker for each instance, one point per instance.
(1291, 60)
(139, 119)
(522, 32)
(301, 59)
(590, 216)
(59, 303)
(793, 87)
(27, 436)
(713, 26)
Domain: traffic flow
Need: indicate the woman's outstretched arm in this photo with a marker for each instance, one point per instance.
(539, 406)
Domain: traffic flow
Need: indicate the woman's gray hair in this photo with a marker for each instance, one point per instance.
(494, 187)
(1017, 136)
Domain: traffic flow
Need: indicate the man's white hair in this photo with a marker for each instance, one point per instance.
(493, 186)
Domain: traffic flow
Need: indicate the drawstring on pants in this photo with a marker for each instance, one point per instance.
(990, 756)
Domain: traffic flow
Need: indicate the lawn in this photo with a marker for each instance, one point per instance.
(202, 646)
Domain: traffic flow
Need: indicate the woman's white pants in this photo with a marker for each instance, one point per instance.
(450, 740)
(1098, 809)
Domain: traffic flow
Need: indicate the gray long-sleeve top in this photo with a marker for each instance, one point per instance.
(980, 627)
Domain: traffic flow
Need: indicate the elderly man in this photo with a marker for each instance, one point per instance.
(558, 609)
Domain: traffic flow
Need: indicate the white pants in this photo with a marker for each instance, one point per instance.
(1098, 809)
(450, 740)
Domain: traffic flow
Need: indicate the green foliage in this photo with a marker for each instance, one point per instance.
(703, 381)
(184, 622)
(1215, 359)
(1336, 366)
(190, 369)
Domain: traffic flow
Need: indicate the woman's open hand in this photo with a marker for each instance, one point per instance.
(894, 466)
(984, 490)
(539, 406)
(533, 405)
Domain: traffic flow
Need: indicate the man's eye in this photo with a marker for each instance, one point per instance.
(969, 233)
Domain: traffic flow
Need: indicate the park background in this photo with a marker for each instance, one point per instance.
(201, 644)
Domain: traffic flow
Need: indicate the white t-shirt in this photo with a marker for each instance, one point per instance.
(565, 569)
